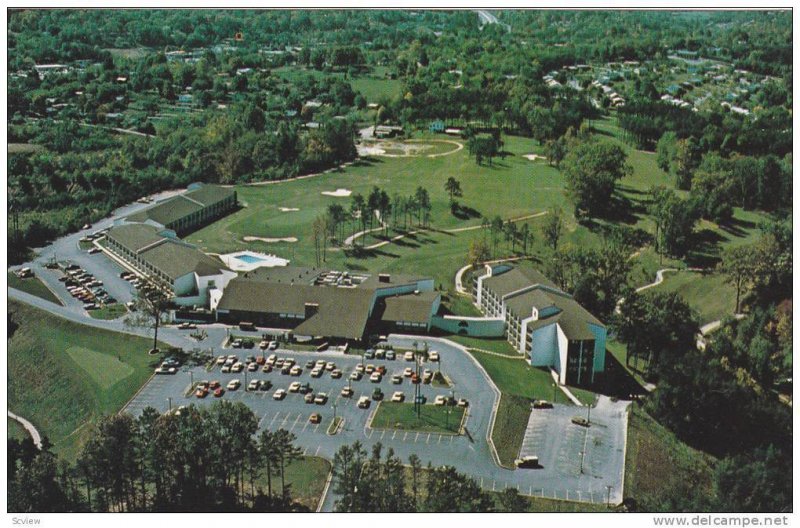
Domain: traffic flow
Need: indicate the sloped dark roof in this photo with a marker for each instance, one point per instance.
(135, 236)
(411, 308)
(176, 259)
(168, 211)
(516, 279)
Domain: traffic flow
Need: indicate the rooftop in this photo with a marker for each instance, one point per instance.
(410, 308)
(175, 259)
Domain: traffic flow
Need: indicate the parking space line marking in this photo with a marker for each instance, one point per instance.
(383, 433)
(405, 436)
(439, 441)
(415, 438)
(394, 434)
(317, 451)
(305, 451)
(277, 413)
(493, 485)
(315, 430)
(304, 427)
(428, 439)
(295, 422)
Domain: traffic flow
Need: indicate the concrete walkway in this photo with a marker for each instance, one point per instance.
(37, 438)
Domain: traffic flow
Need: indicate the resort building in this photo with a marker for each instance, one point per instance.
(334, 305)
(186, 212)
(178, 266)
(543, 323)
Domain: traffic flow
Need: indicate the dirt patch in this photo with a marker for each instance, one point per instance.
(269, 240)
(410, 148)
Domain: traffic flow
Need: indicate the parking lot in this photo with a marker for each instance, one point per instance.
(550, 436)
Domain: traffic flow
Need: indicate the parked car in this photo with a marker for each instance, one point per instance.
(316, 373)
(427, 376)
(279, 394)
(237, 367)
(253, 385)
(381, 370)
(375, 378)
(295, 371)
(369, 369)
(398, 397)
(234, 384)
(355, 376)
(261, 360)
(315, 418)
(225, 369)
(542, 404)
(218, 392)
(214, 385)
(320, 364)
(409, 356)
(397, 379)
(250, 359)
(294, 386)
(420, 399)
(360, 369)
(321, 398)
(377, 394)
(263, 345)
(527, 462)
(408, 372)
(309, 398)
(415, 379)
(433, 355)
(201, 393)
(580, 420)
(266, 368)
(462, 402)
(363, 402)
(336, 374)
(369, 354)
(286, 369)
(439, 400)
(380, 353)
(265, 385)
(305, 388)
(310, 364)
(330, 366)
(237, 343)
(347, 392)
(390, 355)
(273, 345)
(271, 359)
(252, 367)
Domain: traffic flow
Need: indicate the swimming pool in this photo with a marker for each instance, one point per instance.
(249, 259)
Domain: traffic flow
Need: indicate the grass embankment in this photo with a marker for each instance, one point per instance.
(306, 476)
(109, 311)
(497, 345)
(432, 419)
(707, 294)
(659, 466)
(34, 286)
(63, 376)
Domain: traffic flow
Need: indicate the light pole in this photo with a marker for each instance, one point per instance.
(169, 401)
(608, 498)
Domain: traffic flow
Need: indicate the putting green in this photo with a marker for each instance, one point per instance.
(104, 369)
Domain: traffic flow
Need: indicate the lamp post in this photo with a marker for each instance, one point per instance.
(608, 498)
(169, 402)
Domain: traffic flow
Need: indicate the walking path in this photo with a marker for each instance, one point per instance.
(461, 290)
(37, 438)
(565, 390)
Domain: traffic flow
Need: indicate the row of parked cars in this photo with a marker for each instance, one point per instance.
(85, 287)
(170, 365)
(380, 353)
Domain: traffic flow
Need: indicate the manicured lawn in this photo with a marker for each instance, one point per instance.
(497, 345)
(63, 376)
(516, 377)
(509, 427)
(658, 465)
(34, 286)
(708, 294)
(109, 311)
(432, 419)
(373, 89)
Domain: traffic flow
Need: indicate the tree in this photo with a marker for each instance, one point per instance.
(495, 229)
(478, 252)
(737, 265)
(525, 237)
(511, 234)
(286, 453)
(674, 220)
(658, 327)
(592, 169)
(450, 491)
(357, 206)
(453, 188)
(150, 304)
(553, 226)
(511, 501)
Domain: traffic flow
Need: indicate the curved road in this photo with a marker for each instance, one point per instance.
(35, 436)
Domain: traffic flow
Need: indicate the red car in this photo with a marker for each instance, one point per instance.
(213, 385)
(260, 360)
(414, 378)
(201, 393)
(382, 370)
(218, 392)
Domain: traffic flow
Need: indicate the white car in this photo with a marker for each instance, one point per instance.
(439, 400)
(271, 359)
(409, 356)
(398, 397)
(279, 394)
(363, 402)
(225, 369)
(320, 364)
(234, 384)
(433, 355)
(355, 376)
(263, 345)
(237, 367)
(273, 345)
(316, 373)
(294, 387)
(408, 372)
(329, 366)
(221, 360)
(253, 385)
(376, 377)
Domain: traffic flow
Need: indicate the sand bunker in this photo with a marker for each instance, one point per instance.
(269, 240)
(534, 157)
(288, 209)
(339, 193)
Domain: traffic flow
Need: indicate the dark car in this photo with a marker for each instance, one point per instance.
(377, 394)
